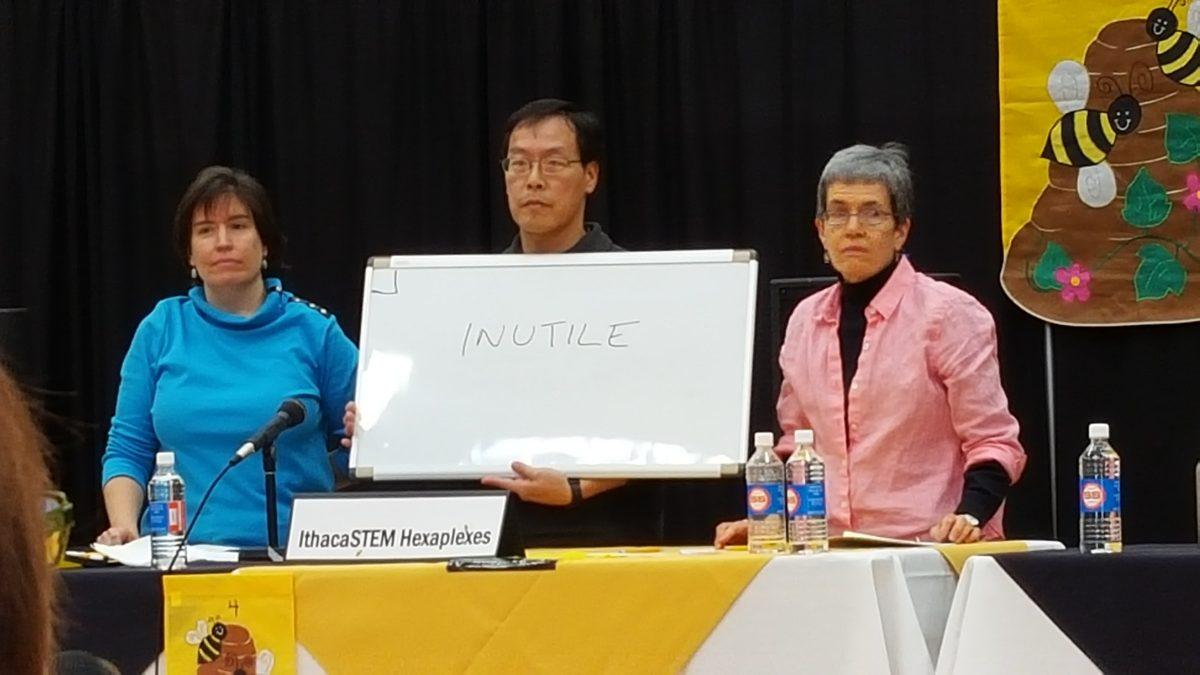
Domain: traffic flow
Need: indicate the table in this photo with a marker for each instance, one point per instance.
(867, 611)
(1066, 612)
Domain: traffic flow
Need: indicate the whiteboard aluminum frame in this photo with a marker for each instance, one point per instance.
(747, 256)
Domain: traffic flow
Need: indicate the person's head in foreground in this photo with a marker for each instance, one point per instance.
(26, 592)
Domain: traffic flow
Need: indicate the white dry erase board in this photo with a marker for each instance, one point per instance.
(631, 364)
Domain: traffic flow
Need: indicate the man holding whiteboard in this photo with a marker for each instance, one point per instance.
(551, 165)
(552, 161)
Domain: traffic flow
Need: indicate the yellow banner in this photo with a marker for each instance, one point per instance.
(222, 623)
(609, 612)
(1099, 150)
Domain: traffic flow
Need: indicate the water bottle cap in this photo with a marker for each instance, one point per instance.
(164, 458)
(764, 438)
(1098, 430)
(804, 436)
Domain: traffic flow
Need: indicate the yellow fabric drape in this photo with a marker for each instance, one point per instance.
(1099, 172)
(594, 613)
(220, 623)
(1034, 36)
(957, 554)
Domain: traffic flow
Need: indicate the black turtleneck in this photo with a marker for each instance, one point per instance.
(985, 485)
(852, 324)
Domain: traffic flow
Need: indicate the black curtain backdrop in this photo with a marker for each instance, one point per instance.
(374, 125)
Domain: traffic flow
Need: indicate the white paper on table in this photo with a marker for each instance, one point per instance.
(137, 552)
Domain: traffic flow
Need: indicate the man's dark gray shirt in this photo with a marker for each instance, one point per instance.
(594, 241)
(631, 514)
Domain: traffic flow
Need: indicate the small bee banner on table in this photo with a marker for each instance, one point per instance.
(1100, 160)
(224, 623)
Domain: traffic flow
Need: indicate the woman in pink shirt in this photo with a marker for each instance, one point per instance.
(895, 373)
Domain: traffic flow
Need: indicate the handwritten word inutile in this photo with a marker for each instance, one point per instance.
(553, 334)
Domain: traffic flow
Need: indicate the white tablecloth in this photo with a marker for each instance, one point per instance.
(872, 610)
(994, 627)
(837, 612)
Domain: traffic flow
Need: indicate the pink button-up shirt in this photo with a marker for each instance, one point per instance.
(925, 404)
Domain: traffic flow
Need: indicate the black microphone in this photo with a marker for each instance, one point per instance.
(290, 413)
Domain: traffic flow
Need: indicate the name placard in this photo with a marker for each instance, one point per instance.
(402, 526)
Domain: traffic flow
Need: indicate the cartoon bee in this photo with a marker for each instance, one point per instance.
(227, 648)
(1178, 51)
(207, 640)
(1083, 137)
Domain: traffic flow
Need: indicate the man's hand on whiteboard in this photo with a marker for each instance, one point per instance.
(546, 486)
(540, 486)
(348, 419)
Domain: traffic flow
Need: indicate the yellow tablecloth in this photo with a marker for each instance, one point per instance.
(958, 554)
(644, 612)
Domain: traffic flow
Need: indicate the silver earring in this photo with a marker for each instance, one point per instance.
(825, 256)
(264, 265)
(195, 274)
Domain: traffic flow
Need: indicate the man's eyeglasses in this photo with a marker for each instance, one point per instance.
(520, 166)
(868, 216)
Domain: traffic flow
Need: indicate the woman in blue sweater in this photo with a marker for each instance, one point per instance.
(207, 369)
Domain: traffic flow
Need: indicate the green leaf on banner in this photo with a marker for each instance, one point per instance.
(1158, 273)
(1146, 202)
(1183, 137)
(1052, 258)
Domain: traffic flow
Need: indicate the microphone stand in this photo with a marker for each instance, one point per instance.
(268, 455)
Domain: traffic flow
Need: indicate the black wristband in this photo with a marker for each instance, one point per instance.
(576, 492)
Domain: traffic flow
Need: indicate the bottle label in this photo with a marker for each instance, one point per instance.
(167, 517)
(807, 500)
(813, 503)
(764, 499)
(1099, 495)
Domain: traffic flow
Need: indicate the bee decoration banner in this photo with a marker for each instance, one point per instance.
(1100, 160)
(229, 623)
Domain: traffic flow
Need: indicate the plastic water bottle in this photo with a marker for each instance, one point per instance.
(764, 497)
(1099, 494)
(168, 513)
(808, 531)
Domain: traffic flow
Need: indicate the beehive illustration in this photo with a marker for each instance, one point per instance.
(1114, 237)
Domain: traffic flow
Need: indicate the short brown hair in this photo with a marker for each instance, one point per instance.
(27, 593)
(211, 185)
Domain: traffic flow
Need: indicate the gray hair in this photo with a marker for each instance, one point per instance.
(887, 164)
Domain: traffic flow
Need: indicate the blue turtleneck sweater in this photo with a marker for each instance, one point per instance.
(198, 381)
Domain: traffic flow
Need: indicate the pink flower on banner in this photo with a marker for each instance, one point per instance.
(1075, 281)
(1192, 200)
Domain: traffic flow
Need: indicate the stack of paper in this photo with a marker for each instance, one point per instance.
(137, 553)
